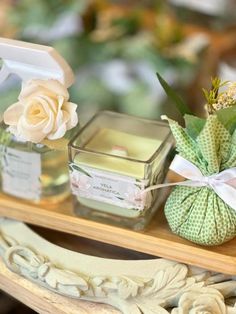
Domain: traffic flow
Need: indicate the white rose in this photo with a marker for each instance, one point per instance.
(42, 112)
(202, 301)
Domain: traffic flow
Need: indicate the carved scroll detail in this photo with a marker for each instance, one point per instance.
(174, 289)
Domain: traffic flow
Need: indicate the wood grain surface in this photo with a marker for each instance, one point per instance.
(157, 240)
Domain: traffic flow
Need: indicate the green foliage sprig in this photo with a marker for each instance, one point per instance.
(179, 103)
(213, 94)
(222, 104)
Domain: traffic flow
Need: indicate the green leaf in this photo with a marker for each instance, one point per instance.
(179, 103)
(194, 125)
(75, 167)
(227, 117)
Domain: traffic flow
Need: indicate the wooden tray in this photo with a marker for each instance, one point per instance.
(157, 240)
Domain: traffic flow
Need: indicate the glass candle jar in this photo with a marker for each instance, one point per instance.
(33, 172)
(113, 159)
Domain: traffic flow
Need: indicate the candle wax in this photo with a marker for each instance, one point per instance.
(138, 148)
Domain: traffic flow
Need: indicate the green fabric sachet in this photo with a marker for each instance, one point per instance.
(198, 213)
(203, 209)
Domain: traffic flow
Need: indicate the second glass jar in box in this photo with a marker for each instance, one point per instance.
(113, 159)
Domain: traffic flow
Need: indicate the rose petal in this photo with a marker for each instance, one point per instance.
(66, 116)
(60, 132)
(52, 86)
(41, 101)
(52, 102)
(59, 116)
(55, 87)
(61, 101)
(30, 134)
(71, 109)
(34, 111)
(58, 120)
(30, 89)
(50, 123)
(48, 118)
(13, 113)
(33, 127)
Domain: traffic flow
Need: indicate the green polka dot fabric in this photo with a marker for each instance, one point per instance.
(198, 213)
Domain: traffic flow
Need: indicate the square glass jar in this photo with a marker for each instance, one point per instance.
(34, 172)
(112, 160)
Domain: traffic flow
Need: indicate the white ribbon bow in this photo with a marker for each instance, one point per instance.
(223, 183)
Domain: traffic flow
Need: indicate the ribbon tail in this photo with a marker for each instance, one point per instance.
(226, 193)
(184, 183)
(227, 175)
(217, 182)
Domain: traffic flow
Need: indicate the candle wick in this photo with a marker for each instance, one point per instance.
(119, 151)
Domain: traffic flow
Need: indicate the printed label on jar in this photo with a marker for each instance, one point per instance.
(21, 173)
(104, 186)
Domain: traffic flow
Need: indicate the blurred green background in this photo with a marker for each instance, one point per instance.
(116, 47)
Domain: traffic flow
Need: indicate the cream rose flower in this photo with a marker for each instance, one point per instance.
(42, 112)
(201, 301)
